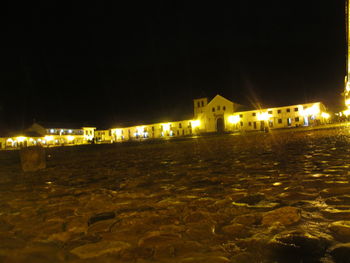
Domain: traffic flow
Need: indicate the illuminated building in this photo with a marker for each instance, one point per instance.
(217, 115)
(48, 135)
(221, 115)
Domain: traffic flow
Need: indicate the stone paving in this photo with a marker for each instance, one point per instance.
(267, 197)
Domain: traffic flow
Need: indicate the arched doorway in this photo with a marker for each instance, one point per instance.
(220, 125)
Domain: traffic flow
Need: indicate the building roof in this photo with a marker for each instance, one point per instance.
(63, 125)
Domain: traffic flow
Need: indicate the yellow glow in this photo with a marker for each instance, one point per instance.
(325, 115)
(140, 129)
(118, 132)
(70, 138)
(346, 112)
(166, 126)
(10, 140)
(314, 110)
(21, 139)
(31, 139)
(48, 138)
(264, 116)
(347, 102)
(234, 119)
(195, 123)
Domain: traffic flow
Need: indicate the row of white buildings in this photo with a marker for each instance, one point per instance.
(217, 115)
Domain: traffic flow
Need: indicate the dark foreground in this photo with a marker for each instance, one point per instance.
(278, 197)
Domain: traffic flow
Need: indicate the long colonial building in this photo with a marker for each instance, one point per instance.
(217, 115)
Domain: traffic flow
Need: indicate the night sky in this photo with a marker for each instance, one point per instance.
(112, 62)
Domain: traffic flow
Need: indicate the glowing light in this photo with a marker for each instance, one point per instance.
(70, 138)
(195, 123)
(21, 139)
(140, 129)
(31, 139)
(277, 184)
(314, 110)
(234, 119)
(264, 116)
(70, 131)
(10, 140)
(52, 130)
(166, 126)
(346, 112)
(325, 115)
(48, 138)
(118, 132)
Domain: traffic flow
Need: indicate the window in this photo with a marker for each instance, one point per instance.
(296, 119)
(153, 128)
(269, 112)
(198, 104)
(253, 114)
(202, 103)
(287, 110)
(249, 123)
(271, 123)
(224, 108)
(180, 125)
(289, 121)
(254, 124)
(213, 109)
(241, 123)
(279, 121)
(110, 133)
(241, 115)
(279, 111)
(218, 107)
(296, 109)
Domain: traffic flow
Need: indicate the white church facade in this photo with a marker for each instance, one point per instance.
(222, 115)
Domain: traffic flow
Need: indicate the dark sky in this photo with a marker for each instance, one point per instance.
(111, 61)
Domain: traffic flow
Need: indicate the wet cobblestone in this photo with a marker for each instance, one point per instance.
(276, 197)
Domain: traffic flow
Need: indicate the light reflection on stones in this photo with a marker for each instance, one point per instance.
(223, 198)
